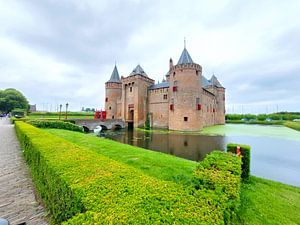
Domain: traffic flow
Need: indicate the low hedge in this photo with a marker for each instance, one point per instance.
(221, 172)
(55, 124)
(245, 152)
(88, 188)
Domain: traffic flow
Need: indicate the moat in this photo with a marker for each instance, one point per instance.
(275, 151)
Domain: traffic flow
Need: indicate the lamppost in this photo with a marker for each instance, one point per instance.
(60, 106)
(67, 104)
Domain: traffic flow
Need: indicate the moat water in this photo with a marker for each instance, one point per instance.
(275, 150)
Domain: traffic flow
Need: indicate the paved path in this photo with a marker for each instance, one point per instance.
(17, 199)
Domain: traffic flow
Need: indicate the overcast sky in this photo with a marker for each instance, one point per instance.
(58, 51)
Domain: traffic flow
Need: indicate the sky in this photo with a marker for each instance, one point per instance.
(63, 51)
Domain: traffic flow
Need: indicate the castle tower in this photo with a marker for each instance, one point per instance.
(185, 94)
(134, 97)
(113, 93)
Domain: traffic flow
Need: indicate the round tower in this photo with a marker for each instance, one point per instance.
(185, 94)
(113, 93)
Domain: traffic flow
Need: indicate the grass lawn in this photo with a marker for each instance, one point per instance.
(263, 201)
(293, 125)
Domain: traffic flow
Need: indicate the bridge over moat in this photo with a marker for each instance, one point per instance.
(91, 124)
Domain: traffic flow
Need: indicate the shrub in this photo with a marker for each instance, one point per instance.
(293, 125)
(245, 152)
(55, 124)
(221, 172)
(89, 188)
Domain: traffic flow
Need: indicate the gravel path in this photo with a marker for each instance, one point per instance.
(17, 199)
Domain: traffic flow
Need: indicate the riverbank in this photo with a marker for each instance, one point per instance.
(263, 201)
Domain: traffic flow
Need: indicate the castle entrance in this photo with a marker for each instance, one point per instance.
(130, 117)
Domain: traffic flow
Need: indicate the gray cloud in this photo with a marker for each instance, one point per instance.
(58, 51)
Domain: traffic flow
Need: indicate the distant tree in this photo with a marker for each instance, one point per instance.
(11, 99)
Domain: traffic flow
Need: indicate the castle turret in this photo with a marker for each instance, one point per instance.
(113, 93)
(185, 94)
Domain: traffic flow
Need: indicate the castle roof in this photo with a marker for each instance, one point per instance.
(160, 85)
(138, 70)
(115, 78)
(185, 58)
(212, 82)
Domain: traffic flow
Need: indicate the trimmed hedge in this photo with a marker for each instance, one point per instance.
(245, 152)
(87, 188)
(221, 172)
(55, 124)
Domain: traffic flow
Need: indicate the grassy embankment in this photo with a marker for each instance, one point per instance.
(263, 201)
(293, 125)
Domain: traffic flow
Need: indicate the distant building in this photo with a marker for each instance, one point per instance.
(186, 100)
(32, 108)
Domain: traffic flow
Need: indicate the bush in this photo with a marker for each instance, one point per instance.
(88, 188)
(245, 152)
(55, 124)
(221, 172)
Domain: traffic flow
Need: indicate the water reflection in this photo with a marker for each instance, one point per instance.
(192, 147)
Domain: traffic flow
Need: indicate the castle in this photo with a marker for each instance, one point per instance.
(185, 100)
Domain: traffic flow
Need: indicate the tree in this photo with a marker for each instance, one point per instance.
(11, 99)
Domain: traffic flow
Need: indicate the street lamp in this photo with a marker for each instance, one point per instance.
(67, 104)
(60, 106)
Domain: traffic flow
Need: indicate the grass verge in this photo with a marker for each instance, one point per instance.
(293, 125)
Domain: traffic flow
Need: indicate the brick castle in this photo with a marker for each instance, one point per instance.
(185, 100)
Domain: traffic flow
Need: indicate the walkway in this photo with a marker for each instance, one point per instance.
(17, 199)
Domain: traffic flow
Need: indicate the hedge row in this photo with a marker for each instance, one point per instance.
(245, 152)
(55, 124)
(221, 172)
(88, 188)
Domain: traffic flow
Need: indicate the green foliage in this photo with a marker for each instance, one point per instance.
(221, 172)
(268, 202)
(76, 181)
(245, 152)
(275, 122)
(59, 197)
(147, 123)
(262, 117)
(11, 99)
(55, 124)
(293, 125)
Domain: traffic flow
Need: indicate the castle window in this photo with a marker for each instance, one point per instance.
(174, 74)
(185, 119)
(130, 89)
(106, 99)
(113, 117)
(165, 96)
(172, 107)
(109, 107)
(198, 105)
(197, 72)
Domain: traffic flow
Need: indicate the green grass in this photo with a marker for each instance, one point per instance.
(293, 125)
(263, 201)
(156, 164)
(268, 202)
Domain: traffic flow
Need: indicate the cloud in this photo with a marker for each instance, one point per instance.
(59, 51)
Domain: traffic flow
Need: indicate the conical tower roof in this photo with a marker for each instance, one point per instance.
(185, 58)
(115, 78)
(138, 70)
(214, 81)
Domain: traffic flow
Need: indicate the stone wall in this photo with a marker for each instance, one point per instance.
(159, 107)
